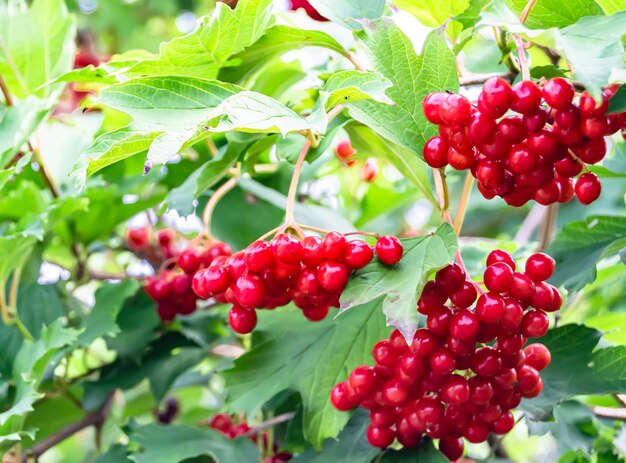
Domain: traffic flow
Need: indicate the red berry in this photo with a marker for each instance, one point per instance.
(259, 256)
(213, 280)
(424, 343)
(138, 238)
(498, 277)
(588, 188)
(481, 128)
(383, 417)
(534, 324)
(455, 390)
(500, 255)
(590, 108)
(460, 160)
(455, 109)
(384, 354)
(539, 266)
(486, 362)
(464, 325)
(476, 432)
(451, 447)
(395, 393)
(537, 356)
(344, 149)
(250, 291)
(380, 437)
(340, 399)
(591, 152)
(522, 160)
(389, 250)
(504, 424)
(363, 380)
(333, 246)
(333, 276)
(490, 308)
(522, 287)
(157, 288)
(481, 390)
(189, 260)
(535, 121)
(505, 379)
(431, 106)
(242, 320)
(527, 378)
(594, 127)
(165, 237)
(450, 278)
(316, 314)
(430, 411)
(464, 296)
(512, 316)
(526, 97)
(287, 248)
(358, 254)
(442, 361)
(311, 254)
(435, 152)
(496, 95)
(558, 93)
(512, 129)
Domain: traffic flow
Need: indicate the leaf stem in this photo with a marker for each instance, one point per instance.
(526, 11)
(212, 203)
(293, 187)
(353, 60)
(547, 227)
(463, 202)
(441, 188)
(521, 54)
(5, 92)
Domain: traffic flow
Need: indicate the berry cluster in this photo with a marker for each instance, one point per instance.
(345, 152)
(311, 273)
(450, 383)
(171, 287)
(224, 423)
(532, 153)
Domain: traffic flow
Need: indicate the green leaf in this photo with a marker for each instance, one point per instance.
(350, 444)
(410, 166)
(208, 174)
(109, 148)
(548, 71)
(38, 306)
(202, 52)
(400, 285)
(576, 368)
(289, 358)
(167, 103)
(277, 40)
(101, 321)
(117, 453)
(617, 104)
(555, 13)
(18, 123)
(168, 444)
(349, 12)
(31, 362)
(89, 74)
(36, 45)
(413, 77)
(349, 86)
(433, 13)
(254, 112)
(611, 6)
(580, 245)
(424, 453)
(593, 47)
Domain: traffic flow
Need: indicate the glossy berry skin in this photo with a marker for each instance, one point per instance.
(339, 398)
(498, 277)
(389, 250)
(539, 266)
(451, 447)
(138, 238)
(380, 437)
(537, 356)
(333, 275)
(588, 188)
(465, 295)
(242, 320)
(250, 291)
(526, 97)
(363, 380)
(344, 149)
(431, 106)
(442, 361)
(464, 325)
(455, 390)
(500, 255)
(497, 95)
(455, 109)
(189, 260)
(435, 152)
(504, 424)
(259, 256)
(333, 246)
(490, 308)
(558, 93)
(534, 324)
(287, 248)
(450, 278)
(311, 253)
(358, 254)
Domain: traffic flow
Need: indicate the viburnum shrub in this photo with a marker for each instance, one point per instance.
(526, 141)
(461, 375)
(260, 231)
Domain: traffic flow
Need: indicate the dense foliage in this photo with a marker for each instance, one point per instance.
(312, 231)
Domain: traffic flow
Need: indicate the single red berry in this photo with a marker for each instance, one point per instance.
(505, 379)
(340, 399)
(594, 127)
(460, 160)
(383, 417)
(588, 188)
(526, 97)
(250, 291)
(431, 106)
(157, 288)
(435, 152)
(451, 447)
(497, 96)
(311, 254)
(358, 254)
(464, 325)
(189, 260)
(481, 128)
(490, 308)
(316, 314)
(537, 356)
(512, 316)
(512, 129)
(384, 354)
(568, 118)
(504, 424)
(486, 362)
(558, 93)
(430, 411)
(165, 237)
(259, 256)
(213, 280)
(522, 287)
(527, 378)
(380, 437)
(498, 277)
(332, 275)
(442, 361)
(481, 390)
(438, 320)
(138, 238)
(591, 152)
(363, 380)
(333, 246)
(496, 149)
(344, 149)
(287, 248)
(476, 432)
(500, 255)
(455, 109)
(534, 324)
(242, 320)
(389, 250)
(424, 343)
(568, 167)
(395, 393)
(455, 390)
(556, 303)
(521, 160)
(464, 296)
(450, 278)
(539, 266)
(536, 120)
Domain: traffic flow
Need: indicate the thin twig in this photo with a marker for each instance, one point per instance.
(353, 60)
(463, 202)
(96, 418)
(611, 413)
(5, 92)
(533, 219)
(293, 187)
(526, 11)
(547, 227)
(210, 205)
(271, 422)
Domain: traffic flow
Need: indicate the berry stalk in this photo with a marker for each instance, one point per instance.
(293, 187)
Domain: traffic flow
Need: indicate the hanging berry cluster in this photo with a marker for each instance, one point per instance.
(171, 286)
(224, 423)
(449, 383)
(533, 154)
(310, 272)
